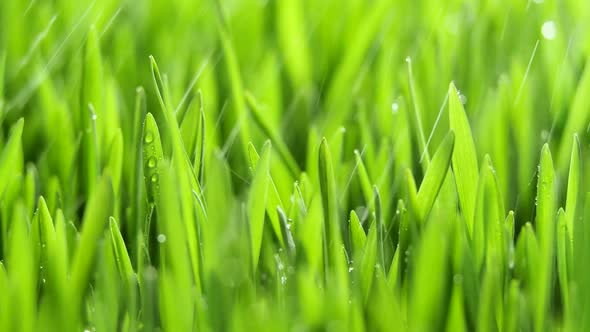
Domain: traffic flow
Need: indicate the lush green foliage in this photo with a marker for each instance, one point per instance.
(294, 164)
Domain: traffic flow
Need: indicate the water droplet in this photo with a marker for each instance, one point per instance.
(152, 162)
(283, 280)
(161, 238)
(288, 226)
(549, 30)
(462, 98)
(154, 177)
(408, 59)
(280, 266)
(93, 117)
(149, 137)
(394, 108)
(350, 269)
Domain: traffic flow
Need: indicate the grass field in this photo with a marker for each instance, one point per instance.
(305, 165)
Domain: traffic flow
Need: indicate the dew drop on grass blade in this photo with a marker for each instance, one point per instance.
(152, 155)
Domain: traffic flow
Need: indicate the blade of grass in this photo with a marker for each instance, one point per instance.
(545, 225)
(464, 157)
(435, 176)
(257, 199)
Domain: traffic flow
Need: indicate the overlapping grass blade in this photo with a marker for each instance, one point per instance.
(435, 176)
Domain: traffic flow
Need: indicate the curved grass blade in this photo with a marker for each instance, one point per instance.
(363, 177)
(190, 130)
(435, 176)
(236, 86)
(273, 199)
(278, 142)
(464, 157)
(199, 159)
(120, 252)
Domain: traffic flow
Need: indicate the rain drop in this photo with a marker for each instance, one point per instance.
(161, 238)
(152, 162)
(149, 137)
(283, 280)
(350, 269)
(462, 98)
(549, 30)
(394, 108)
(154, 178)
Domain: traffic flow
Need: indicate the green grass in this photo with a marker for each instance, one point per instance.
(294, 165)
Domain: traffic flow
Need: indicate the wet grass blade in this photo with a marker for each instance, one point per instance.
(151, 155)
